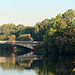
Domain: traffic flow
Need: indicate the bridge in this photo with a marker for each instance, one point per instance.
(28, 44)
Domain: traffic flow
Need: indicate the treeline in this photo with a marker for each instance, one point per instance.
(16, 32)
(22, 33)
(60, 37)
(56, 33)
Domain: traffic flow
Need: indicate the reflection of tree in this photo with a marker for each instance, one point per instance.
(61, 66)
(26, 64)
(13, 64)
(64, 65)
(50, 65)
(7, 50)
(38, 66)
(55, 66)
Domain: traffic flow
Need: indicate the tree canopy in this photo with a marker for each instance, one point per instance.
(53, 32)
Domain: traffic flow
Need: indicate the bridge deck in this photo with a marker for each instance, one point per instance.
(28, 44)
(21, 42)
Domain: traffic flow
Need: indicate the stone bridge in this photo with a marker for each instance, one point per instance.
(28, 44)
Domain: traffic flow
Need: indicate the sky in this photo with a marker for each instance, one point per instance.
(29, 12)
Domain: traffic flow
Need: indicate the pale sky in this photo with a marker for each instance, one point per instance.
(29, 12)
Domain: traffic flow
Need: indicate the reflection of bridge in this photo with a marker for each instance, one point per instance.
(28, 44)
(24, 57)
(27, 56)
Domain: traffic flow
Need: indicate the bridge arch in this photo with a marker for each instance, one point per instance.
(28, 44)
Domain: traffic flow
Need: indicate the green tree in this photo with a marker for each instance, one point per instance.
(2, 37)
(11, 38)
(25, 37)
(69, 14)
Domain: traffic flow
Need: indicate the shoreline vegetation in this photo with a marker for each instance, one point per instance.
(57, 34)
(58, 49)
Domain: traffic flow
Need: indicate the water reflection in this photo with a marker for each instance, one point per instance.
(61, 65)
(50, 65)
(11, 63)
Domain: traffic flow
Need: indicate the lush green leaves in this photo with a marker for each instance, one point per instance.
(25, 37)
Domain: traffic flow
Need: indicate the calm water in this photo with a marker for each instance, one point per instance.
(16, 72)
(51, 64)
(13, 66)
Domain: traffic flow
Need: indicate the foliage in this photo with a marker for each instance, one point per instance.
(2, 37)
(61, 36)
(25, 37)
(11, 38)
(58, 34)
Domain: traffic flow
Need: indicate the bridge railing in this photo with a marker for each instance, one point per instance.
(21, 42)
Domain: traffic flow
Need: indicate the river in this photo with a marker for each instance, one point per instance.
(64, 65)
(51, 64)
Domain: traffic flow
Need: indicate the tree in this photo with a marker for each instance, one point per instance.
(20, 27)
(27, 30)
(25, 37)
(69, 14)
(11, 38)
(2, 37)
(61, 35)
